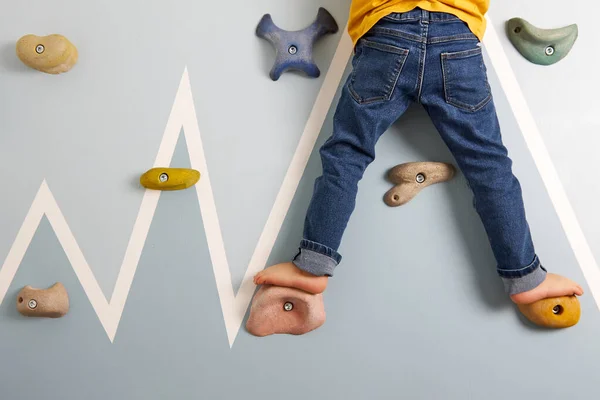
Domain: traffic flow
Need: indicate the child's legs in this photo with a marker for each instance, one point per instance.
(379, 90)
(478, 149)
(460, 104)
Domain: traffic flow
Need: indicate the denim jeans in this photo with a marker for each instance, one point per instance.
(435, 60)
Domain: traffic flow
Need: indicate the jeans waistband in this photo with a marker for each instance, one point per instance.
(418, 14)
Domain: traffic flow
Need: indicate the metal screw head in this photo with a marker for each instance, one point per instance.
(288, 306)
(292, 50)
(39, 48)
(557, 309)
(420, 178)
(32, 304)
(163, 177)
(549, 50)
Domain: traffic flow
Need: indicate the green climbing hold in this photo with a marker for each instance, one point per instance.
(541, 46)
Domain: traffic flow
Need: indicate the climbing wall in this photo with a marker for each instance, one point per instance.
(159, 283)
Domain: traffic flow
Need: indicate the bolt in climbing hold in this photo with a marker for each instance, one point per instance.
(169, 178)
(556, 312)
(49, 303)
(557, 309)
(288, 306)
(293, 49)
(541, 46)
(411, 178)
(53, 54)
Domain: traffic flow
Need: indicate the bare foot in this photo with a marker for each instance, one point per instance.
(288, 275)
(553, 286)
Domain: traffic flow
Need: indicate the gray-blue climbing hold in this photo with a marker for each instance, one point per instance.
(541, 46)
(293, 50)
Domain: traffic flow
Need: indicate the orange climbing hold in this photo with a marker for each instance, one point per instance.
(557, 312)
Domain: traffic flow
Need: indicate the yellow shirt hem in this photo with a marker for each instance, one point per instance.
(475, 24)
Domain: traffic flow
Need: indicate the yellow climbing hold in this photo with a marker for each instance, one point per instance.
(169, 178)
(52, 54)
(557, 312)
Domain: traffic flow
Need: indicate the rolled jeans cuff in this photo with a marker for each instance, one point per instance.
(523, 280)
(317, 259)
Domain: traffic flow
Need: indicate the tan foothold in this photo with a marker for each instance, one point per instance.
(411, 178)
(555, 312)
(282, 310)
(53, 54)
(49, 303)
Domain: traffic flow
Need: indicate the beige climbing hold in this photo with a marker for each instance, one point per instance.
(411, 178)
(53, 54)
(169, 178)
(282, 310)
(556, 312)
(50, 303)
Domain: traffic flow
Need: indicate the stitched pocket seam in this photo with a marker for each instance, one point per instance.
(461, 55)
(391, 84)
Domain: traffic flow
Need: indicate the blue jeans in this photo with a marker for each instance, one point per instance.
(435, 60)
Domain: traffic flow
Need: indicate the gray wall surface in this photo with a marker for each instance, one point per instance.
(416, 311)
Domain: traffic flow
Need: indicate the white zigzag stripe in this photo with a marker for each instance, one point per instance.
(183, 114)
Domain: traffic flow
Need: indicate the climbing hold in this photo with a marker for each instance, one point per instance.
(557, 312)
(169, 178)
(52, 54)
(49, 303)
(541, 46)
(410, 178)
(293, 50)
(282, 310)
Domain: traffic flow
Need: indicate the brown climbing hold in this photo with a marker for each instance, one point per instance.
(410, 178)
(53, 54)
(555, 312)
(50, 303)
(277, 310)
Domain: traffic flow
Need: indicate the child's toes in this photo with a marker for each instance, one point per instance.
(260, 279)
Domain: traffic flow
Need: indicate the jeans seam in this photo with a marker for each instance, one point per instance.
(385, 47)
(422, 61)
(463, 54)
(397, 34)
(454, 38)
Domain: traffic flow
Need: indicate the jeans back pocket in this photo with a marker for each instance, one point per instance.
(465, 79)
(376, 68)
